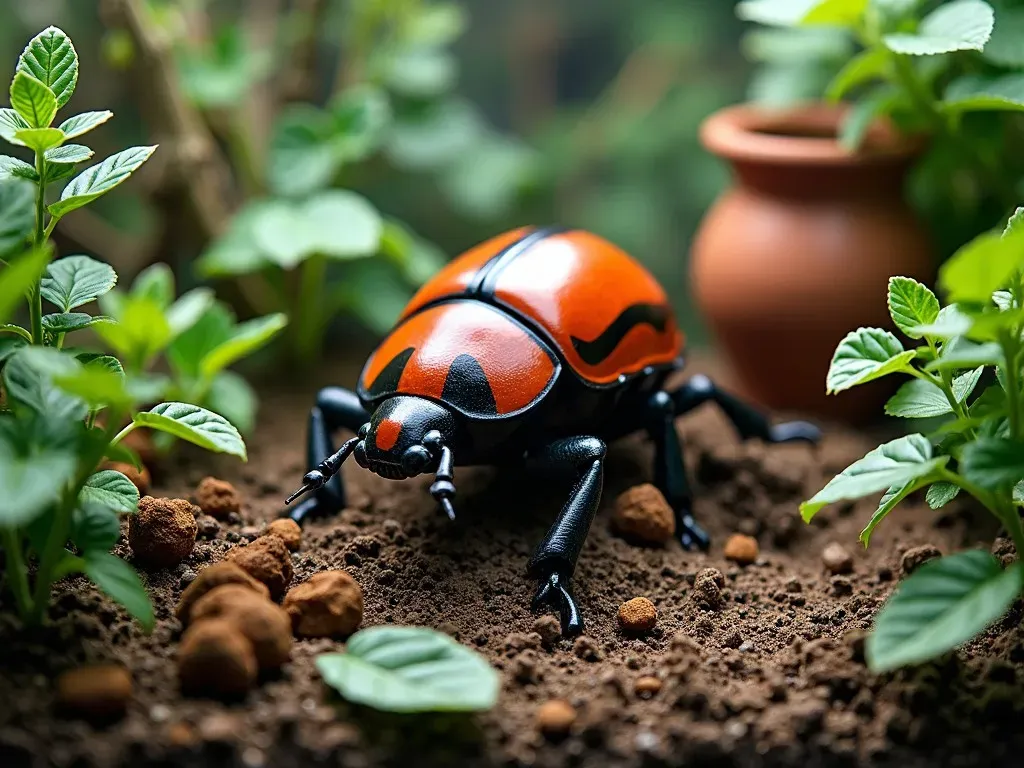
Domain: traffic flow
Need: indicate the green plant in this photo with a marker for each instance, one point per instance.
(952, 72)
(978, 448)
(410, 669)
(54, 397)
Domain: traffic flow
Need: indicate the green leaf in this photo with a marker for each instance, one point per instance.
(29, 377)
(95, 528)
(437, 24)
(32, 480)
(1004, 299)
(434, 136)
(864, 355)
(33, 100)
(786, 13)
(895, 463)
(410, 669)
(9, 345)
(949, 324)
(962, 25)
(911, 304)
(845, 13)
(122, 584)
(112, 490)
(963, 353)
(189, 348)
(982, 266)
(16, 330)
(76, 280)
(890, 499)
(68, 153)
(100, 179)
(993, 463)
(186, 311)
(17, 218)
(866, 66)
(421, 73)
(196, 425)
(343, 225)
(940, 494)
(919, 399)
(237, 251)
(51, 59)
(97, 362)
(85, 122)
(1018, 493)
(223, 74)
(10, 123)
(39, 139)
(981, 93)
(13, 168)
(1004, 48)
(141, 331)
(155, 282)
(66, 322)
(245, 339)
(98, 386)
(940, 606)
(231, 396)
(859, 119)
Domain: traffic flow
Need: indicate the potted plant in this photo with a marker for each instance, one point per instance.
(819, 215)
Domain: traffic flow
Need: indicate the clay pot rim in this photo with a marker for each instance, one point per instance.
(753, 133)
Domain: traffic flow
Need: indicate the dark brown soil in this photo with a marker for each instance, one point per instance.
(764, 670)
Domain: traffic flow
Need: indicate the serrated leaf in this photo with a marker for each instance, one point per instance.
(973, 93)
(13, 168)
(864, 355)
(939, 607)
(919, 399)
(17, 219)
(85, 122)
(39, 139)
(10, 123)
(196, 425)
(29, 377)
(94, 528)
(66, 322)
(890, 499)
(911, 304)
(121, 583)
(895, 463)
(33, 100)
(940, 494)
(68, 153)
(31, 481)
(245, 339)
(993, 463)
(112, 490)
(51, 59)
(76, 280)
(962, 25)
(410, 669)
(231, 396)
(982, 266)
(100, 179)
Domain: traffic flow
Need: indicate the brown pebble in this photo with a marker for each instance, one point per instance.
(637, 615)
(549, 629)
(265, 624)
(140, 477)
(555, 717)
(287, 530)
(181, 735)
(915, 557)
(642, 515)
(837, 559)
(267, 559)
(100, 691)
(163, 532)
(210, 578)
(217, 498)
(216, 658)
(647, 686)
(330, 604)
(742, 549)
(707, 587)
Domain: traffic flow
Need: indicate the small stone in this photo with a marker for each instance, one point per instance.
(181, 735)
(267, 559)
(555, 718)
(548, 628)
(642, 515)
(212, 577)
(264, 624)
(96, 692)
(585, 648)
(647, 686)
(159, 713)
(209, 528)
(216, 658)
(330, 604)
(646, 741)
(746, 647)
(637, 615)
(742, 549)
(837, 559)
(707, 587)
(287, 530)
(915, 557)
(140, 477)
(163, 532)
(186, 578)
(217, 498)
(221, 728)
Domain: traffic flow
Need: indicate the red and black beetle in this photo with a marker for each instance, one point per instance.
(537, 346)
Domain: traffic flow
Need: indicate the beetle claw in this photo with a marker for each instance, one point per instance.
(791, 431)
(552, 591)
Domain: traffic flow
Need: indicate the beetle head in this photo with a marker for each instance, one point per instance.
(404, 437)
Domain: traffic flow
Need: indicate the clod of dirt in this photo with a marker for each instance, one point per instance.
(214, 576)
(742, 549)
(267, 559)
(915, 557)
(707, 587)
(647, 686)
(263, 623)
(217, 498)
(637, 615)
(555, 718)
(97, 692)
(643, 515)
(140, 477)
(548, 628)
(330, 604)
(163, 532)
(585, 648)
(837, 559)
(216, 658)
(287, 530)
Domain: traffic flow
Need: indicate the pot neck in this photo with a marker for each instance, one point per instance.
(810, 181)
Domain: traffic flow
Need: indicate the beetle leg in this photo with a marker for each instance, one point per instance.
(335, 408)
(443, 488)
(555, 559)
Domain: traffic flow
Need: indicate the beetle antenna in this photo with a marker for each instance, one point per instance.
(443, 489)
(318, 476)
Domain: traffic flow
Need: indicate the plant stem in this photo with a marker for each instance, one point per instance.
(123, 433)
(1011, 349)
(309, 311)
(16, 573)
(1009, 518)
(35, 299)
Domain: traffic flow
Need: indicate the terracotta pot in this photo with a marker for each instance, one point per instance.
(798, 252)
